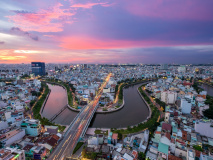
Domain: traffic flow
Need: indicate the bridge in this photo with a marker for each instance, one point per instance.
(77, 128)
(57, 114)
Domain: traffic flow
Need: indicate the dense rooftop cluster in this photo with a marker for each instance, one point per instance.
(185, 130)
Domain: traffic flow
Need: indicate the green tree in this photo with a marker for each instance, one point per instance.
(141, 156)
(198, 148)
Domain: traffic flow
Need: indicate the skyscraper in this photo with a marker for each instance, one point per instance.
(164, 66)
(38, 68)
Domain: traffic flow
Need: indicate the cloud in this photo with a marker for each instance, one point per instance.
(167, 9)
(2, 42)
(29, 51)
(18, 31)
(81, 42)
(12, 57)
(90, 5)
(84, 43)
(20, 11)
(44, 20)
(199, 48)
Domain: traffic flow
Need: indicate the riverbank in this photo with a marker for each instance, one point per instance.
(39, 105)
(119, 100)
(66, 87)
(209, 100)
(45, 101)
(151, 121)
(70, 94)
(134, 112)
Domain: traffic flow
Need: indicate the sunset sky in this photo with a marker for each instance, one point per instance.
(106, 31)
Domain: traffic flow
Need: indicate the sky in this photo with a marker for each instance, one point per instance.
(106, 31)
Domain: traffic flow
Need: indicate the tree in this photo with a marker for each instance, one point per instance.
(208, 113)
(129, 128)
(32, 103)
(198, 148)
(141, 156)
(25, 76)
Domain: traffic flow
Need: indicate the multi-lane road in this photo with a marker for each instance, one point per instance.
(73, 134)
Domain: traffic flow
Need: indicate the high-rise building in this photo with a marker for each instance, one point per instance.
(38, 68)
(164, 66)
(169, 97)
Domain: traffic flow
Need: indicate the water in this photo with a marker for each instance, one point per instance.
(207, 88)
(133, 112)
(66, 117)
(56, 101)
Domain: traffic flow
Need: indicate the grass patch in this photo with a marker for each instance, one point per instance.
(105, 109)
(98, 131)
(117, 106)
(79, 144)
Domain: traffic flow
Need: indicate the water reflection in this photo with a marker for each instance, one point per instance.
(133, 112)
(207, 88)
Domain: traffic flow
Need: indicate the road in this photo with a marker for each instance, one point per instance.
(65, 148)
(156, 104)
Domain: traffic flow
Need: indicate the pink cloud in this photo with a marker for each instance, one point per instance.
(170, 9)
(44, 20)
(84, 42)
(90, 5)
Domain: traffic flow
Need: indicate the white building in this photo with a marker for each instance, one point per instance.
(205, 157)
(17, 154)
(12, 136)
(204, 128)
(169, 97)
(106, 90)
(93, 141)
(167, 116)
(3, 125)
(186, 106)
(190, 154)
(12, 153)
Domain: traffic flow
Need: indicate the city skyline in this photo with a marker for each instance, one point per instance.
(121, 31)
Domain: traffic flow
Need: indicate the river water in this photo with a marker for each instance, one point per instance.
(207, 88)
(133, 112)
(56, 101)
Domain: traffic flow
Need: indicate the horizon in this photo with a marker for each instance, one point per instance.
(106, 32)
(123, 64)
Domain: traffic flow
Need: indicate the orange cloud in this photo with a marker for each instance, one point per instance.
(12, 57)
(43, 20)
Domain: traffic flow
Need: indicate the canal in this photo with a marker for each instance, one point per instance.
(56, 101)
(133, 112)
(207, 88)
